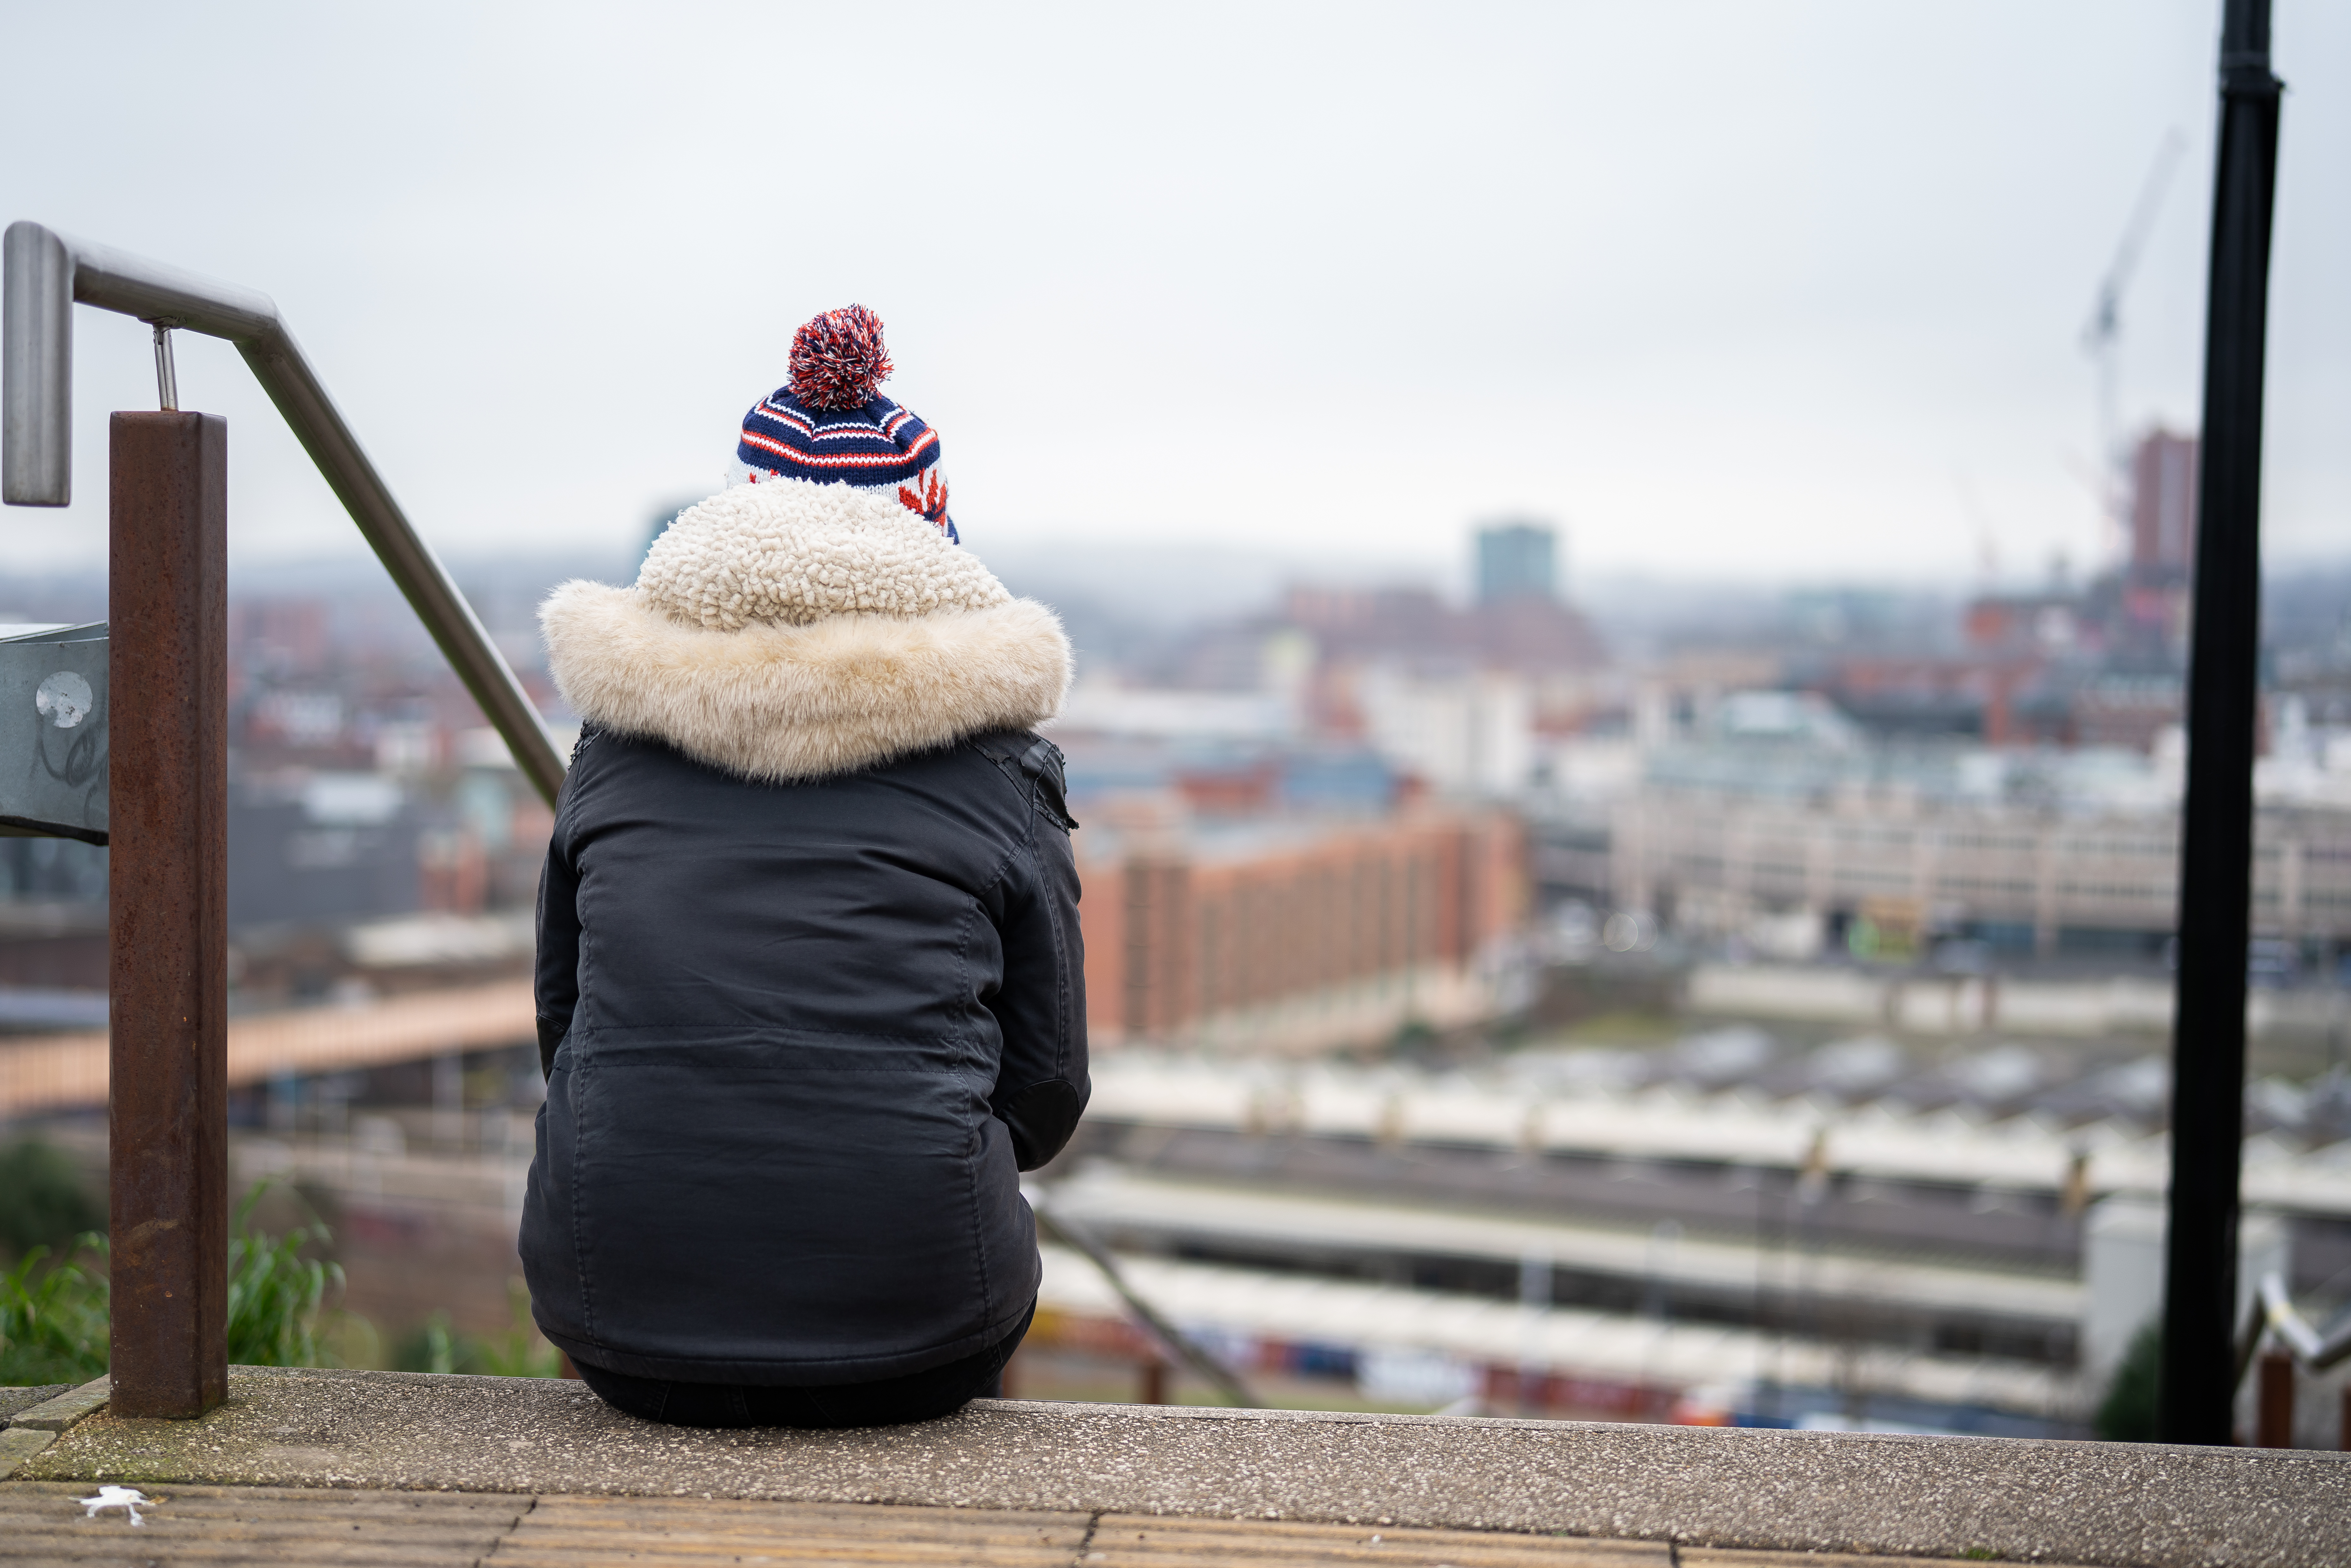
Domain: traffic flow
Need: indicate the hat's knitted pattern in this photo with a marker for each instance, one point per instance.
(830, 426)
(876, 443)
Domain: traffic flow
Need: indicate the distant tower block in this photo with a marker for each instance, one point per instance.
(2163, 504)
(1517, 561)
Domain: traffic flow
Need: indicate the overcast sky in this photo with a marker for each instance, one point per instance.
(1774, 290)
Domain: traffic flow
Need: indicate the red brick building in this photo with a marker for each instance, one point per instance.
(1287, 936)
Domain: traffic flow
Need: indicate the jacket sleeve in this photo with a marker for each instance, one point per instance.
(557, 980)
(1041, 1086)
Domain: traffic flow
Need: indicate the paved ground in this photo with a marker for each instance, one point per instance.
(23, 1398)
(1179, 1485)
(45, 1522)
(50, 1522)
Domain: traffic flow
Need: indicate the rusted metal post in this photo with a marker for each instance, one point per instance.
(168, 912)
(2273, 1420)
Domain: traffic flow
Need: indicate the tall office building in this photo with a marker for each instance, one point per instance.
(1517, 561)
(2163, 504)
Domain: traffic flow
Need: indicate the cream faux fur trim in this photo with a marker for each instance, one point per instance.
(777, 703)
(792, 551)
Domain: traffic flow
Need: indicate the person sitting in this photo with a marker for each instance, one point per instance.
(811, 986)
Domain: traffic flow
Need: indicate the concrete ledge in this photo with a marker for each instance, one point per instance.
(2127, 1506)
(57, 1415)
(18, 1444)
(15, 1398)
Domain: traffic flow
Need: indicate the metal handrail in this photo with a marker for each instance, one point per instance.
(47, 272)
(1071, 1234)
(2272, 1312)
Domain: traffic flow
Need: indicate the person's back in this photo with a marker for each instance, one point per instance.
(809, 977)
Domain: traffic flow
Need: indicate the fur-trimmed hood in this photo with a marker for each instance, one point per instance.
(787, 630)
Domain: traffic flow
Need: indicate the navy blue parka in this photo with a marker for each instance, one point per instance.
(800, 1040)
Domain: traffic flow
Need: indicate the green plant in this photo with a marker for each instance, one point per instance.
(43, 1200)
(2127, 1415)
(53, 1319)
(1413, 1037)
(432, 1348)
(520, 1351)
(274, 1294)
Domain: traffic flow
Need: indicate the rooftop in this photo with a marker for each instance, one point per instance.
(1542, 1102)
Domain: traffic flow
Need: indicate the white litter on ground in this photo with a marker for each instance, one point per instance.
(127, 1498)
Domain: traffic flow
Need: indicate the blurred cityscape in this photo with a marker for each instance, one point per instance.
(1647, 1001)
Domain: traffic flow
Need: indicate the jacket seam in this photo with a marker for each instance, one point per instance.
(966, 1049)
(557, 847)
(565, 813)
(1027, 843)
(976, 908)
(566, 826)
(1031, 792)
(997, 878)
(1060, 978)
(979, 1226)
(1004, 861)
(579, 1129)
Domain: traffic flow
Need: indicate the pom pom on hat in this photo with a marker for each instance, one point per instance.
(838, 359)
(830, 426)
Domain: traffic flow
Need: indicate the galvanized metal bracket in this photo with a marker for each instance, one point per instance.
(53, 692)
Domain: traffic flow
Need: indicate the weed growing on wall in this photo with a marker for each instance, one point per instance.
(2127, 1415)
(53, 1309)
(43, 1200)
(520, 1351)
(274, 1294)
(52, 1315)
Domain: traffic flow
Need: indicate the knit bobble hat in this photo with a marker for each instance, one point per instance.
(828, 426)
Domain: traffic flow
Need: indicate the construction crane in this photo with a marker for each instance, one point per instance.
(2102, 335)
